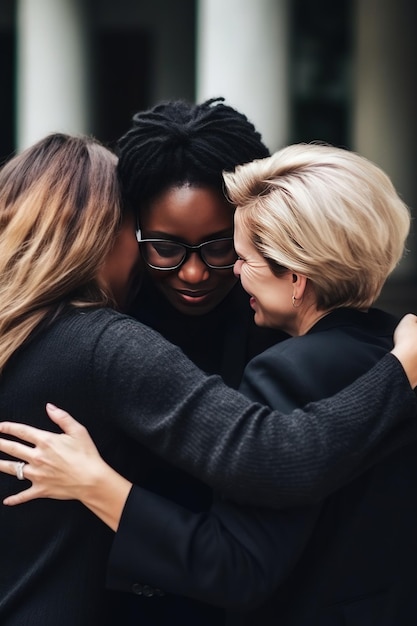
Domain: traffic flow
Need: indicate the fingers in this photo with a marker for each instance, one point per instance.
(22, 431)
(24, 496)
(64, 420)
(35, 435)
(16, 449)
(31, 474)
(9, 467)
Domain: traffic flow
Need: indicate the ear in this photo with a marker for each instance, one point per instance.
(299, 284)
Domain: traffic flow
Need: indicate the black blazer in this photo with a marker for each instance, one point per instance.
(350, 560)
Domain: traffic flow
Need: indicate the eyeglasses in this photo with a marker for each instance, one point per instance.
(162, 254)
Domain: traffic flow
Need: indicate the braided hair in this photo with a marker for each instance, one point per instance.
(176, 142)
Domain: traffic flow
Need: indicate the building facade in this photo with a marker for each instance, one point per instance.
(341, 72)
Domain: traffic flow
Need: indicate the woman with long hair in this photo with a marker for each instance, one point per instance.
(61, 219)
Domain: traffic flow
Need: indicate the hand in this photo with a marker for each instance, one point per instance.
(61, 466)
(405, 346)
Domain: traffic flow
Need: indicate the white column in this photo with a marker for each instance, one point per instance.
(385, 100)
(242, 54)
(52, 59)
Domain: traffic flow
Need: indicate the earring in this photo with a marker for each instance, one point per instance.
(293, 299)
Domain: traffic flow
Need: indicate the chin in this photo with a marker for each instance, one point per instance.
(194, 311)
(259, 321)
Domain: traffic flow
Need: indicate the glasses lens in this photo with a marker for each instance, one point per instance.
(163, 254)
(219, 253)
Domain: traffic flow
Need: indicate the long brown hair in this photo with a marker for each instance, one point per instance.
(59, 213)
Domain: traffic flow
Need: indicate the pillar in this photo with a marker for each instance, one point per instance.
(52, 69)
(242, 54)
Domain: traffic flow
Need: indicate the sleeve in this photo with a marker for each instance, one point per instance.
(232, 557)
(242, 449)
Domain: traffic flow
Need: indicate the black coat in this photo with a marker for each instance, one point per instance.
(351, 559)
(117, 377)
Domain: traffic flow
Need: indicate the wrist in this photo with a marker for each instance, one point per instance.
(106, 494)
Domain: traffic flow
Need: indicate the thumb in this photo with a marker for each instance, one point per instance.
(63, 419)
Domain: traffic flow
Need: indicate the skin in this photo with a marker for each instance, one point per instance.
(117, 275)
(120, 271)
(188, 214)
(191, 215)
(405, 345)
(271, 295)
(68, 466)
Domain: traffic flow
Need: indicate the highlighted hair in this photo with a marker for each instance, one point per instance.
(326, 213)
(59, 213)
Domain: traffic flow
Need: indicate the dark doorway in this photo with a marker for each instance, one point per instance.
(321, 51)
(123, 80)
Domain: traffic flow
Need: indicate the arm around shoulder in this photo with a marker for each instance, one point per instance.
(246, 451)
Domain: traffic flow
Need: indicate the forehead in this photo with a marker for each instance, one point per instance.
(188, 211)
(241, 236)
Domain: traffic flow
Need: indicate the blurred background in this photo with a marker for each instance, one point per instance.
(341, 71)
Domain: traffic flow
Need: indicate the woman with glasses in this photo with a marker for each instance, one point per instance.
(170, 164)
(309, 266)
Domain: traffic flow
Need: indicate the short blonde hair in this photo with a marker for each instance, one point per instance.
(324, 212)
(59, 214)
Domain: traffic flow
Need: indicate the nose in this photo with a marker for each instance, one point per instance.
(194, 270)
(237, 267)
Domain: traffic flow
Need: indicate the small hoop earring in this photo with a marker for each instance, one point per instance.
(293, 299)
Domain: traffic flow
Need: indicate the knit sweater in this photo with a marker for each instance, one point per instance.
(123, 380)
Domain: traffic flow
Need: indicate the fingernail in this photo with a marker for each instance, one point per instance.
(51, 406)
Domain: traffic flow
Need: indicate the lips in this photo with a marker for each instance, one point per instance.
(193, 294)
(193, 297)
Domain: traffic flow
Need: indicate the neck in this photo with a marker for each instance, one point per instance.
(308, 319)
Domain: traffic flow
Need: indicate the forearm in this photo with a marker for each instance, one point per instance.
(262, 457)
(244, 450)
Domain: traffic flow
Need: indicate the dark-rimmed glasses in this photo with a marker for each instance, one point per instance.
(163, 254)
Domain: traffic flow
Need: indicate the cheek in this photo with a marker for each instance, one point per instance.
(130, 252)
(135, 252)
(248, 275)
(277, 303)
(159, 276)
(223, 279)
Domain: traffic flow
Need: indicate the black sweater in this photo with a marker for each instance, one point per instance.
(122, 380)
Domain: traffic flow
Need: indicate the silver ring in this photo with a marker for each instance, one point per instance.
(19, 470)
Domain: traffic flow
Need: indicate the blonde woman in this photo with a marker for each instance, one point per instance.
(97, 362)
